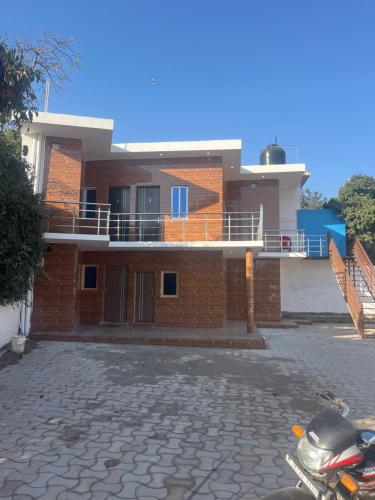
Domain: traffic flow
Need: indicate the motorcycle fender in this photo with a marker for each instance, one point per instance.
(289, 494)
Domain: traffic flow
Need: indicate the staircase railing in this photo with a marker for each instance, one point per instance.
(347, 287)
(338, 265)
(365, 266)
(355, 307)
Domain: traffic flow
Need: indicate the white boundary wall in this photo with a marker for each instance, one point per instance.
(289, 204)
(309, 286)
(9, 321)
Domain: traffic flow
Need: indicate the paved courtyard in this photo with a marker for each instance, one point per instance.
(93, 421)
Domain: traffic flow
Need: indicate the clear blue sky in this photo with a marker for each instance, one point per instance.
(300, 69)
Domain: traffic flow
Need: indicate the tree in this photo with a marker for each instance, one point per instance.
(24, 69)
(311, 200)
(21, 223)
(356, 203)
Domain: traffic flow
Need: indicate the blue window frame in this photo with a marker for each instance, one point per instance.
(179, 202)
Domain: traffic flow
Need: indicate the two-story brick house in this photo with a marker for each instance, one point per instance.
(168, 233)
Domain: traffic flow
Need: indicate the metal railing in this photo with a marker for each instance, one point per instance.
(77, 217)
(365, 266)
(194, 226)
(96, 218)
(289, 241)
(347, 287)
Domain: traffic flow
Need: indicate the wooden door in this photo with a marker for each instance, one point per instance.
(144, 297)
(116, 294)
(148, 209)
(119, 199)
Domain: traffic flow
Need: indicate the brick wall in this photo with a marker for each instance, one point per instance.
(201, 286)
(203, 176)
(55, 293)
(236, 289)
(247, 196)
(62, 179)
(266, 289)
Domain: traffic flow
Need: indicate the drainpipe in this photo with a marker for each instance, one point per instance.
(260, 225)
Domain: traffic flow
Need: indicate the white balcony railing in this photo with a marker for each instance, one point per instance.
(194, 226)
(290, 241)
(96, 218)
(77, 217)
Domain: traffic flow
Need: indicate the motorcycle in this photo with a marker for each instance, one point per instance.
(333, 460)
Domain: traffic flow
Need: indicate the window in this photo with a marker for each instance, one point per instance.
(179, 202)
(89, 277)
(88, 208)
(168, 284)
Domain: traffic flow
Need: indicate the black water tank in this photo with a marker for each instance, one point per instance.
(273, 154)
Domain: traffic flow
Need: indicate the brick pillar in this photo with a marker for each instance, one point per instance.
(55, 290)
(249, 291)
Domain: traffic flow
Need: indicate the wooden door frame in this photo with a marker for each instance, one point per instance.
(139, 216)
(117, 187)
(126, 266)
(136, 196)
(128, 188)
(135, 299)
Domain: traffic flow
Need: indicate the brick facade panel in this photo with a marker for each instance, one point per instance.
(201, 289)
(62, 179)
(267, 290)
(54, 301)
(247, 196)
(205, 183)
(267, 302)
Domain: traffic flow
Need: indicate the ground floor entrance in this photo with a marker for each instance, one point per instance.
(193, 289)
(115, 294)
(144, 297)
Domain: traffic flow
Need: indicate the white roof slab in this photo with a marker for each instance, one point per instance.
(95, 133)
(96, 136)
(289, 174)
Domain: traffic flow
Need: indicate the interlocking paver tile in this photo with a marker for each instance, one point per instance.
(140, 422)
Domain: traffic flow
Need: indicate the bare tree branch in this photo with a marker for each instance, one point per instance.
(53, 55)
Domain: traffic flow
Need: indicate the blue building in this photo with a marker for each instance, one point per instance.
(321, 222)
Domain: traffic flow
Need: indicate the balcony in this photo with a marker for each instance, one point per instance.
(95, 222)
(93, 225)
(74, 218)
(291, 243)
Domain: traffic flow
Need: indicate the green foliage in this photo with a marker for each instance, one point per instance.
(24, 69)
(356, 203)
(17, 95)
(21, 223)
(311, 200)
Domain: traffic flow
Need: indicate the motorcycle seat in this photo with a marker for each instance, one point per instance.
(367, 436)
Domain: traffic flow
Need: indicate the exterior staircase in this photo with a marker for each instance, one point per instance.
(356, 278)
(363, 291)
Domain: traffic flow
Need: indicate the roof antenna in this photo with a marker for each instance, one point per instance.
(275, 140)
(46, 95)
